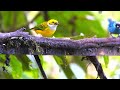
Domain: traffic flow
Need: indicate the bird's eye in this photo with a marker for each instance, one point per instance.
(117, 25)
(52, 22)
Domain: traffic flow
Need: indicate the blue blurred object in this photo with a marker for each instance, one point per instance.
(114, 27)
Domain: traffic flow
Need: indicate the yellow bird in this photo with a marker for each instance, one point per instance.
(45, 29)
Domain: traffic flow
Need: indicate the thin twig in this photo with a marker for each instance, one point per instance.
(40, 66)
(97, 65)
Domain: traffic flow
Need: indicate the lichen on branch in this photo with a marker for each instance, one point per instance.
(20, 42)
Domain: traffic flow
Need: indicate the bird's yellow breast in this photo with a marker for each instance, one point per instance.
(45, 33)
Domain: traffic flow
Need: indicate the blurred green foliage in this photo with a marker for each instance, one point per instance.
(72, 23)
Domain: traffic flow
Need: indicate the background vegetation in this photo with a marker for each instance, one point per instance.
(89, 24)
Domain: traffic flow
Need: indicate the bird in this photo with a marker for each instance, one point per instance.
(45, 29)
(113, 27)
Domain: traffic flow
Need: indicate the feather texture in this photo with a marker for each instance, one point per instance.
(46, 29)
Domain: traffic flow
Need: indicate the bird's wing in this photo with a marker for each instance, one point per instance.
(42, 26)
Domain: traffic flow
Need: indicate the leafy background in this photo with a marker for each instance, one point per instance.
(72, 23)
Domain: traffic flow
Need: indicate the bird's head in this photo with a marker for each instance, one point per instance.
(52, 23)
(113, 25)
(117, 25)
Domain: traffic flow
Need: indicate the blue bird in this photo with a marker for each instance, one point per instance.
(114, 27)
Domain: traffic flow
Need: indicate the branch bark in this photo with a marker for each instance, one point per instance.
(20, 42)
(98, 66)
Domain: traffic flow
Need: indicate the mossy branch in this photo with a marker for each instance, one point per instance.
(20, 42)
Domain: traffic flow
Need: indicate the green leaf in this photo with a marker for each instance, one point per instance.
(106, 60)
(16, 67)
(31, 74)
(68, 72)
(12, 20)
(25, 61)
(58, 60)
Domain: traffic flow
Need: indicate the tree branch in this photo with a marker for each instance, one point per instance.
(97, 65)
(20, 42)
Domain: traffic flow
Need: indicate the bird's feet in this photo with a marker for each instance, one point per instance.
(112, 36)
(38, 35)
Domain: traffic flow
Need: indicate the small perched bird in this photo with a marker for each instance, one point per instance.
(114, 27)
(46, 29)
